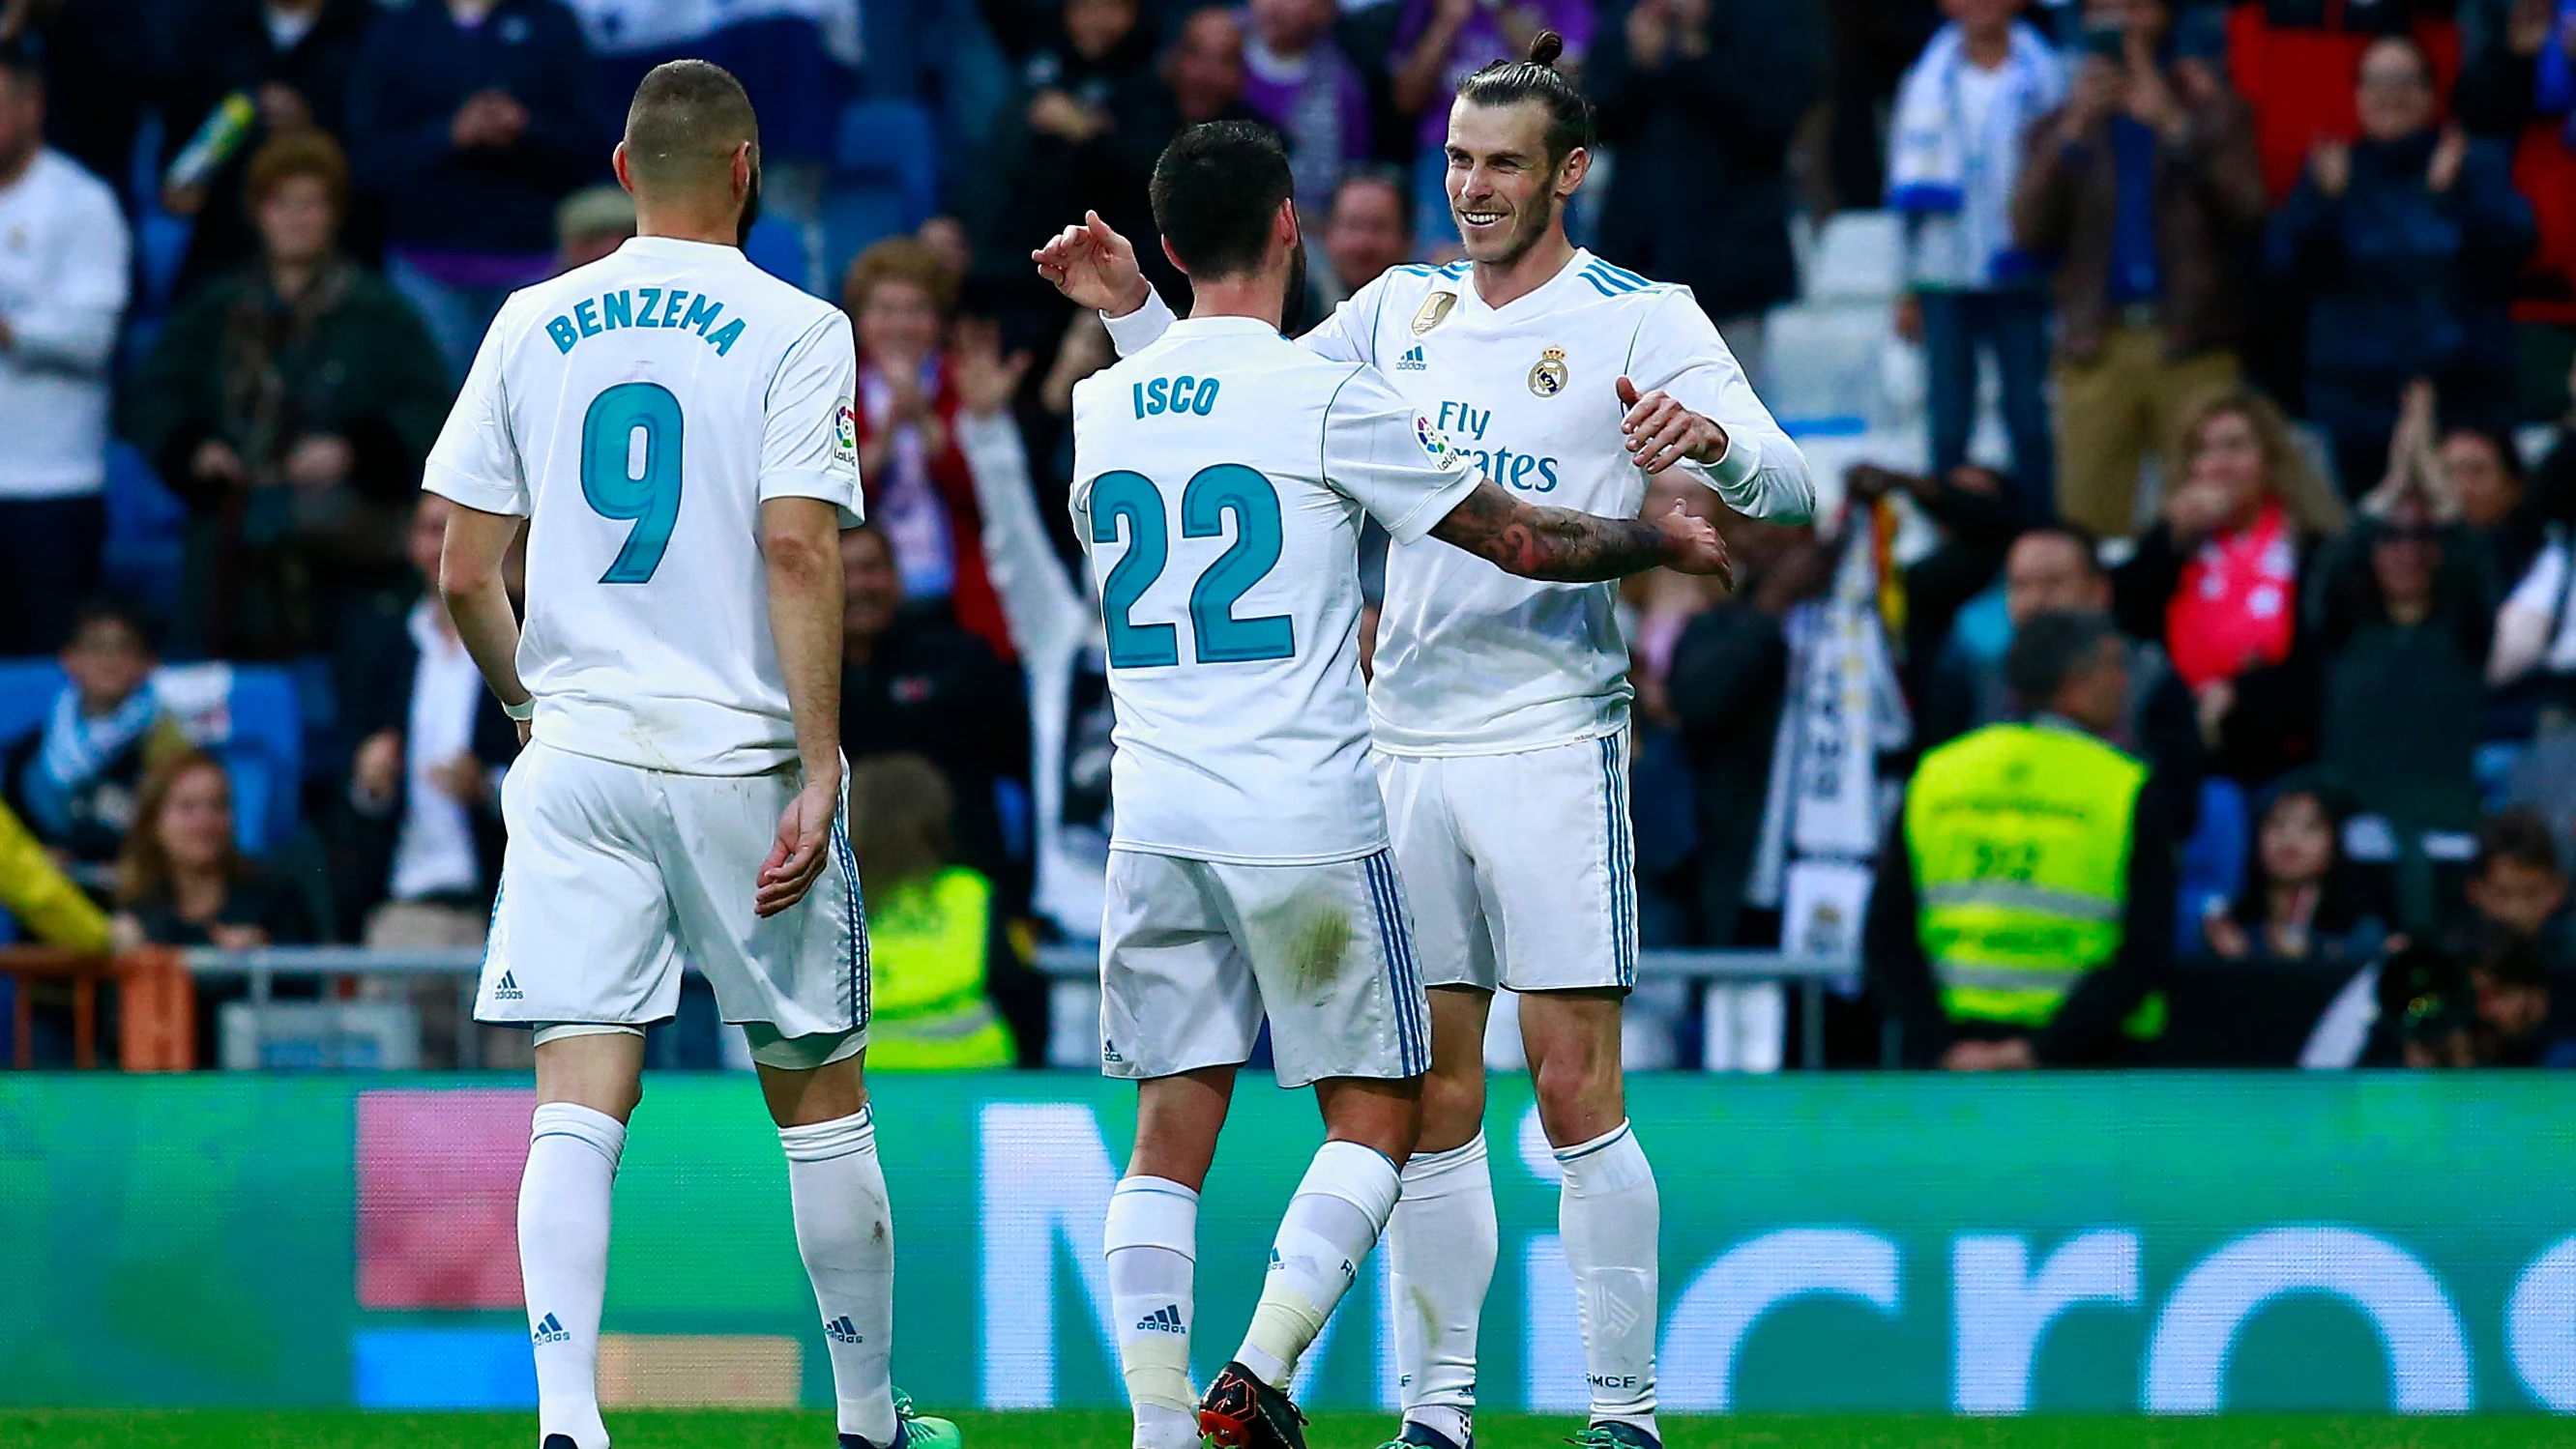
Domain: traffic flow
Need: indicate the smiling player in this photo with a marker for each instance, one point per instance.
(1500, 705)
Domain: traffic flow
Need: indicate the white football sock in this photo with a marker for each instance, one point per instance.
(1608, 1217)
(563, 1261)
(1331, 1224)
(1442, 1240)
(1152, 1244)
(845, 1231)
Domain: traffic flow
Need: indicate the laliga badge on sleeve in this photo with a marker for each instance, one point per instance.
(845, 434)
(1547, 377)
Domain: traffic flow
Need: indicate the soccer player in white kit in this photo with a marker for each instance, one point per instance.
(1501, 707)
(675, 427)
(1220, 476)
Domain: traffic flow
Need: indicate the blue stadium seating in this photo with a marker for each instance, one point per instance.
(144, 523)
(885, 179)
(263, 750)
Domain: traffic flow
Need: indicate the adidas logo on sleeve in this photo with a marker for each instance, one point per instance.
(841, 1330)
(1166, 1319)
(550, 1329)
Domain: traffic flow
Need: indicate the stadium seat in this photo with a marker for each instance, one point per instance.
(1859, 257)
(144, 525)
(777, 247)
(885, 179)
(246, 715)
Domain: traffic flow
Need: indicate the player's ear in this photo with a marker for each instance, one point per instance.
(1569, 177)
(1174, 257)
(617, 164)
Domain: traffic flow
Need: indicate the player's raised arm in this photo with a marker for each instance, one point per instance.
(1095, 267)
(1690, 405)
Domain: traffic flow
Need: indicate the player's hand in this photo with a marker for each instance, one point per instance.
(1661, 432)
(796, 857)
(1701, 550)
(1095, 267)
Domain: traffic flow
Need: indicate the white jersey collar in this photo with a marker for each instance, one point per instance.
(1221, 327)
(676, 249)
(1474, 300)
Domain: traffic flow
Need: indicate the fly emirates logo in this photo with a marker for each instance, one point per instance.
(1466, 426)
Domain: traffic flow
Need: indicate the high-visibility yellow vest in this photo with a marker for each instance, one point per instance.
(927, 945)
(2020, 837)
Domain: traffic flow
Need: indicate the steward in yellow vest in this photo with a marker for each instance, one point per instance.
(929, 940)
(2024, 908)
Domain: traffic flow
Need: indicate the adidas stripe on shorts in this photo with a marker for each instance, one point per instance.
(1194, 954)
(615, 874)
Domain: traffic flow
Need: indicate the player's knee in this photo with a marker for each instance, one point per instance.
(1453, 1107)
(1576, 1091)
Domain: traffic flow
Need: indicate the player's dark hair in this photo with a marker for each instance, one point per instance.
(2051, 649)
(1510, 82)
(2500, 443)
(1215, 190)
(114, 609)
(2519, 835)
(687, 118)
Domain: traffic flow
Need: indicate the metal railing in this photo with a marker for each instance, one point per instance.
(1068, 964)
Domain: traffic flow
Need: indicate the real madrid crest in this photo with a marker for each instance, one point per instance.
(1434, 311)
(1548, 377)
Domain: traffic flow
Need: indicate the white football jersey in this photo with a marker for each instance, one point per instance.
(636, 411)
(1470, 659)
(1219, 479)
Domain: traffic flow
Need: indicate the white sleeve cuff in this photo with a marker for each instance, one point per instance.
(830, 487)
(480, 494)
(1138, 330)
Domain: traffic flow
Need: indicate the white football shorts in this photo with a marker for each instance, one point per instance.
(1194, 953)
(614, 874)
(1521, 868)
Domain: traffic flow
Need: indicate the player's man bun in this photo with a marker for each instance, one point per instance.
(1536, 78)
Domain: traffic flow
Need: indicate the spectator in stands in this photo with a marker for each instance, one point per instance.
(291, 59)
(914, 683)
(1204, 67)
(1978, 517)
(1297, 79)
(2051, 569)
(2407, 240)
(1726, 686)
(1869, 46)
(1700, 100)
(592, 223)
(900, 296)
(2511, 987)
(2300, 903)
(2295, 63)
(2403, 618)
(182, 881)
(935, 937)
(2220, 577)
(469, 120)
(74, 780)
(2518, 883)
(2142, 186)
(421, 847)
(289, 406)
(2516, 89)
(2024, 910)
(1956, 146)
(62, 288)
(43, 900)
(1097, 117)
(1439, 43)
(947, 236)
(2427, 1012)
(2469, 475)
(1370, 229)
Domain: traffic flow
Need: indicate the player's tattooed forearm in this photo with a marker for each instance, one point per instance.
(1558, 545)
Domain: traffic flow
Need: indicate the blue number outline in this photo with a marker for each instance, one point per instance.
(652, 501)
(1250, 496)
(1127, 494)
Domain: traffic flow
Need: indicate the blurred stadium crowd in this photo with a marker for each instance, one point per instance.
(2248, 326)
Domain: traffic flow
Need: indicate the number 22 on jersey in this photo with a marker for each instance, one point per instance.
(1212, 493)
(630, 470)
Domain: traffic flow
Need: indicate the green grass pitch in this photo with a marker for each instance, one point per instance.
(117, 1429)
